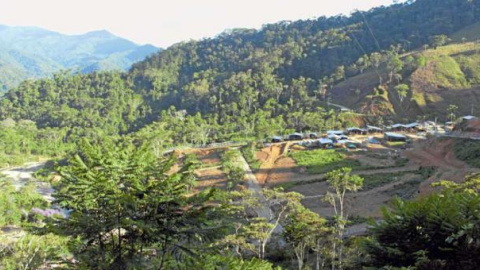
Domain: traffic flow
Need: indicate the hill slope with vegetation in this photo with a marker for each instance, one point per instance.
(29, 52)
(128, 204)
(424, 82)
(249, 83)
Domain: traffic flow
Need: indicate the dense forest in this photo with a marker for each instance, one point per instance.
(131, 206)
(243, 83)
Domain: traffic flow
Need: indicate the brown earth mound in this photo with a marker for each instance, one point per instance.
(474, 126)
(277, 167)
(268, 156)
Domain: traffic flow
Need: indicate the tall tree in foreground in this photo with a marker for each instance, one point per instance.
(439, 231)
(257, 217)
(341, 181)
(128, 208)
(303, 231)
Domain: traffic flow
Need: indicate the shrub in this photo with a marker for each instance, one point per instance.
(468, 151)
(33, 252)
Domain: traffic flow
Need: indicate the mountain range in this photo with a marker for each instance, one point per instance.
(31, 52)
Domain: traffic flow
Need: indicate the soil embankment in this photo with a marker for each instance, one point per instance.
(440, 155)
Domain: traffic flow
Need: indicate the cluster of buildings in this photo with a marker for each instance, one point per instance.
(332, 138)
(393, 133)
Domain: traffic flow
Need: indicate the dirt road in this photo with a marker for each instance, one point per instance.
(263, 211)
(20, 176)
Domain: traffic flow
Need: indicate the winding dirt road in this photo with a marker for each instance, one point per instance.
(263, 211)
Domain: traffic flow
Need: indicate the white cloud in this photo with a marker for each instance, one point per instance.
(166, 22)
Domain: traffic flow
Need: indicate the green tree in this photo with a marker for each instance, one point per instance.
(394, 64)
(304, 230)
(341, 181)
(363, 63)
(339, 73)
(215, 262)
(402, 91)
(232, 168)
(439, 231)
(124, 204)
(452, 112)
(438, 40)
(272, 207)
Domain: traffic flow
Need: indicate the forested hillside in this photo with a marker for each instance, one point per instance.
(274, 60)
(252, 83)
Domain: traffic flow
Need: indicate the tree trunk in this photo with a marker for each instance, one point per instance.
(318, 256)
(164, 253)
(334, 254)
(300, 263)
(300, 253)
(340, 253)
(262, 254)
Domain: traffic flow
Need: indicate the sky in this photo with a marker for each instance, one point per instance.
(163, 23)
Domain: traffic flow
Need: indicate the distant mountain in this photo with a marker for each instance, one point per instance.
(30, 52)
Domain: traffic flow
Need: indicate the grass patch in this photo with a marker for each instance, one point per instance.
(406, 190)
(419, 99)
(18, 159)
(288, 185)
(396, 144)
(451, 49)
(432, 98)
(449, 74)
(377, 180)
(426, 172)
(469, 65)
(323, 161)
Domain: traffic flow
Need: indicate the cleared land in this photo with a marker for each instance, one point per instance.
(388, 172)
(449, 75)
(210, 173)
(440, 155)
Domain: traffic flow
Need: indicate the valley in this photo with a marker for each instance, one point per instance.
(344, 142)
